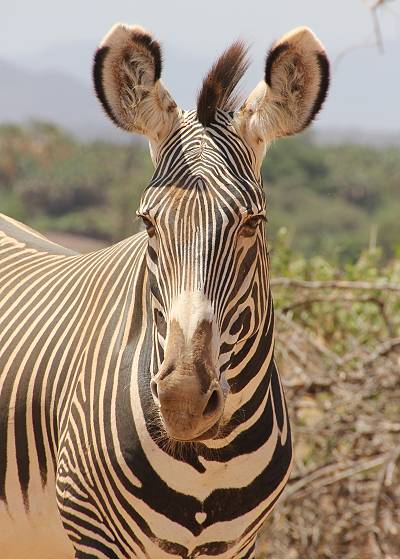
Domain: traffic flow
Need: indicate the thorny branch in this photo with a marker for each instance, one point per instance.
(333, 284)
(385, 480)
(331, 474)
(343, 499)
(343, 299)
(384, 349)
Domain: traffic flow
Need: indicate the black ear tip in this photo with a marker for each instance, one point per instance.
(324, 68)
(98, 60)
(153, 46)
(97, 73)
(325, 80)
(272, 55)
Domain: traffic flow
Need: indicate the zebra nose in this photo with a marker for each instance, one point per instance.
(211, 404)
(189, 408)
(166, 370)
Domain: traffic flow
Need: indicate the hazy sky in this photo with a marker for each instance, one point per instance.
(63, 34)
(202, 25)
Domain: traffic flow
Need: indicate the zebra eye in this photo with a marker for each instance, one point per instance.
(149, 226)
(249, 227)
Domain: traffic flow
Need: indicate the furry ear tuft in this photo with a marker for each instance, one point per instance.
(272, 56)
(294, 88)
(126, 74)
(297, 76)
(140, 36)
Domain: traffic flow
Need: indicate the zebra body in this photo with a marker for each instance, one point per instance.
(119, 307)
(142, 415)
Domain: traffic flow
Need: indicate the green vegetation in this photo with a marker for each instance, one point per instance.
(344, 318)
(51, 181)
(338, 352)
(332, 200)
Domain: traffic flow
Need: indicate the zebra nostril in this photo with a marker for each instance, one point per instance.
(154, 390)
(212, 404)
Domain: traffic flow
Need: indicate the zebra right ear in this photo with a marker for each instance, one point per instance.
(293, 90)
(126, 75)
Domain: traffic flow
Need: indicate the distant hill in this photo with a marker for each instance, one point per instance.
(52, 96)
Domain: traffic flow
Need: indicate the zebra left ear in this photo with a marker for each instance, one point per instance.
(294, 88)
(126, 75)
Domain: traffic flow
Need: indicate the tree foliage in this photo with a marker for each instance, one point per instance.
(329, 198)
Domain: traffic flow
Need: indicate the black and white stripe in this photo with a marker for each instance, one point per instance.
(79, 343)
(141, 411)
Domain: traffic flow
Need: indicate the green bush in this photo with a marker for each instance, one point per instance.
(333, 200)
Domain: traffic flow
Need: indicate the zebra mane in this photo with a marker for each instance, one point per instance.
(218, 90)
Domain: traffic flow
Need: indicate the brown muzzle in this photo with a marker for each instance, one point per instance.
(186, 388)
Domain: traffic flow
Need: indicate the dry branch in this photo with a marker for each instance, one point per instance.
(343, 500)
(331, 474)
(343, 299)
(384, 349)
(333, 284)
(373, 6)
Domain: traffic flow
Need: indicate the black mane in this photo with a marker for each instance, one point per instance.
(218, 88)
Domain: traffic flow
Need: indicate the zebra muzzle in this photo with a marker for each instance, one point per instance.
(186, 388)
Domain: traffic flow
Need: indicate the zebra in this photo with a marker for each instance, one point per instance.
(141, 410)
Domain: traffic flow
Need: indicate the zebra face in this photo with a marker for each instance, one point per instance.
(204, 208)
(204, 212)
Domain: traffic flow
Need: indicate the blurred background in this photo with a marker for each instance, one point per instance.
(334, 223)
(65, 168)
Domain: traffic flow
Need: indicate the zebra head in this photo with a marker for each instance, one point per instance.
(204, 209)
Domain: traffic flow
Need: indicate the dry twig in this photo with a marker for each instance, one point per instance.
(331, 474)
(384, 349)
(336, 284)
(343, 500)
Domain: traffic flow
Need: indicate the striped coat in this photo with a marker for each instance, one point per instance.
(141, 412)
